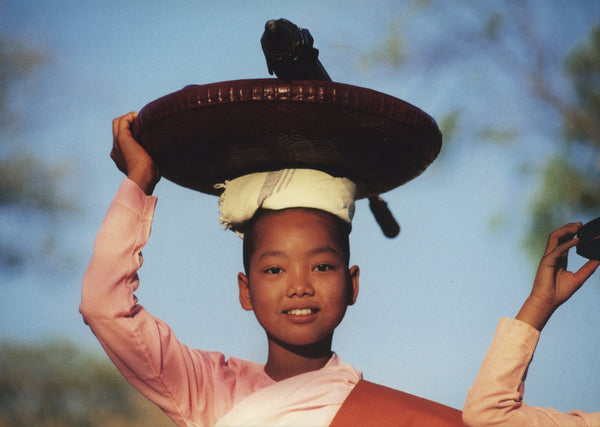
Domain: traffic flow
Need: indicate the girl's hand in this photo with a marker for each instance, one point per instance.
(130, 157)
(554, 284)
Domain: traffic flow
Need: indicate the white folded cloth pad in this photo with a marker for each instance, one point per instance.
(283, 189)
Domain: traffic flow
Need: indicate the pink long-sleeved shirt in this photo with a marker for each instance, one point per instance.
(496, 397)
(193, 387)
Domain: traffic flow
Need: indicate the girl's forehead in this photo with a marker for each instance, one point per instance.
(297, 231)
(269, 220)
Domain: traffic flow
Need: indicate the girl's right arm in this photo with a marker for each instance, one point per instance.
(143, 348)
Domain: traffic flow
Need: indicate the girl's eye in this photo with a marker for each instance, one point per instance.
(273, 270)
(323, 267)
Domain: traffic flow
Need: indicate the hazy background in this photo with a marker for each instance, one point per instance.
(430, 299)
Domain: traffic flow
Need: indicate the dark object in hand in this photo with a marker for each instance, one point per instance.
(589, 240)
(290, 53)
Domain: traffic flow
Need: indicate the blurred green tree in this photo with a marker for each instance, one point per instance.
(58, 384)
(570, 176)
(506, 35)
(29, 187)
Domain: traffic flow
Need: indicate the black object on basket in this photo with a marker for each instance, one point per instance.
(290, 53)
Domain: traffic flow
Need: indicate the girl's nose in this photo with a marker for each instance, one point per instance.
(300, 285)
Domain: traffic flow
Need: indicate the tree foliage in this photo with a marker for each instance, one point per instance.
(582, 120)
(17, 63)
(58, 384)
(506, 36)
(570, 185)
(29, 187)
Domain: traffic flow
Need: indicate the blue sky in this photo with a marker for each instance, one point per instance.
(429, 300)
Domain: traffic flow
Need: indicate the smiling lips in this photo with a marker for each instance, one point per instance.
(301, 311)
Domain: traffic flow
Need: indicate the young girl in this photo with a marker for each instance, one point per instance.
(297, 281)
(496, 398)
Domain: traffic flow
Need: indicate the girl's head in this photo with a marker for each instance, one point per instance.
(297, 278)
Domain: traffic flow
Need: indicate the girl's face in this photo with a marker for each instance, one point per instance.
(298, 284)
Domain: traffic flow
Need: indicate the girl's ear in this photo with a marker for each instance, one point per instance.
(353, 274)
(244, 292)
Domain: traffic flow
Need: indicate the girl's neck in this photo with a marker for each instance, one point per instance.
(285, 361)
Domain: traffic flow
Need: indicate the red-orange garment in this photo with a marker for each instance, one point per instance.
(371, 404)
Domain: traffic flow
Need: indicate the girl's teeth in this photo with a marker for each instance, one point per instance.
(300, 312)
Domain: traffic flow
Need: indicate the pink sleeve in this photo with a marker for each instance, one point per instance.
(496, 397)
(187, 384)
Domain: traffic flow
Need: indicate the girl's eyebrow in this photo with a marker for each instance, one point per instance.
(272, 253)
(325, 250)
(316, 251)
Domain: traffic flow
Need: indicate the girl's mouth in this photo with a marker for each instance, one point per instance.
(301, 311)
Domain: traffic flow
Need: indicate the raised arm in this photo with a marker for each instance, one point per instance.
(144, 349)
(496, 397)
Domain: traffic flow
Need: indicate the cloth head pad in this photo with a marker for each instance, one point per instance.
(284, 189)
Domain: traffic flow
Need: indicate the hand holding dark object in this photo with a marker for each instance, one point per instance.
(290, 53)
(589, 240)
(554, 283)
